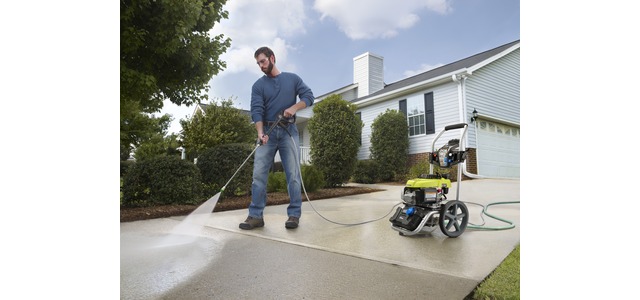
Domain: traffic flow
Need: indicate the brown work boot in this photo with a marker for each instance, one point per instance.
(251, 223)
(292, 222)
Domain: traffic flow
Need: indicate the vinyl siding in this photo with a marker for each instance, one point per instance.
(350, 95)
(494, 91)
(445, 110)
(369, 114)
(445, 106)
(368, 73)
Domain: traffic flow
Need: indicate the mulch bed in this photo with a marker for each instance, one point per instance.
(129, 214)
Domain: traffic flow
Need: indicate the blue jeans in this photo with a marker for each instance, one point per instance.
(279, 140)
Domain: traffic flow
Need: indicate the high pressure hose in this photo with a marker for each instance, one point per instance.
(295, 150)
(471, 225)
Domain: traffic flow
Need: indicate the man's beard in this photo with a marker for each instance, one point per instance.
(269, 69)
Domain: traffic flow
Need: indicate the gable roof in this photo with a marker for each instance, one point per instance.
(468, 64)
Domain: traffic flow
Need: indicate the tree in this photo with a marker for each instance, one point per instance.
(158, 145)
(390, 144)
(220, 124)
(165, 53)
(137, 127)
(335, 138)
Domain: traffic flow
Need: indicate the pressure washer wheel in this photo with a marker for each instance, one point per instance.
(454, 217)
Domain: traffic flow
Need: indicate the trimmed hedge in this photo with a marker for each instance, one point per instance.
(366, 172)
(277, 182)
(219, 163)
(161, 180)
(335, 139)
(312, 178)
(390, 144)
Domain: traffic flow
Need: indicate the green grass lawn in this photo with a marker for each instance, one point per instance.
(504, 281)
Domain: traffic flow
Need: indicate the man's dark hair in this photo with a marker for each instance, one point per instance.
(266, 51)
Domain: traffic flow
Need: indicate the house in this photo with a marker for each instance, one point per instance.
(487, 82)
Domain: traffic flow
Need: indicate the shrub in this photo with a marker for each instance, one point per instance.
(161, 180)
(335, 136)
(218, 164)
(125, 165)
(157, 145)
(390, 144)
(220, 124)
(312, 178)
(366, 172)
(276, 182)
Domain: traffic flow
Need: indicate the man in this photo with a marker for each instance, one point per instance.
(272, 95)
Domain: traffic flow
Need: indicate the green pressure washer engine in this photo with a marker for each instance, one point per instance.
(424, 198)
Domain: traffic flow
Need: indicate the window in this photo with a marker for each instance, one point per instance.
(419, 112)
(415, 116)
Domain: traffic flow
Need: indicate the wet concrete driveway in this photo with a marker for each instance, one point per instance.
(319, 260)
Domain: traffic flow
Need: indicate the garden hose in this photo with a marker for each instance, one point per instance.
(484, 212)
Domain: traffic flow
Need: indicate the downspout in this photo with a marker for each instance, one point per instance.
(461, 79)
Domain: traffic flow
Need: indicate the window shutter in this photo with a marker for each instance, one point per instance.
(359, 116)
(428, 113)
(403, 107)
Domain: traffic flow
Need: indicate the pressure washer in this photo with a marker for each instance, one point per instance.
(425, 198)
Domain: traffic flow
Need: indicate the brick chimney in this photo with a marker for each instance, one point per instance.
(368, 73)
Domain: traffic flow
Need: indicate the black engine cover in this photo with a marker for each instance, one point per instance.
(408, 217)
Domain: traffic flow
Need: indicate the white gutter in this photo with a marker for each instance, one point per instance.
(461, 79)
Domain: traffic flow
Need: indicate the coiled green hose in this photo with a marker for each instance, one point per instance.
(484, 212)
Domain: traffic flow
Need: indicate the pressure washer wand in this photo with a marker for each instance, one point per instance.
(258, 144)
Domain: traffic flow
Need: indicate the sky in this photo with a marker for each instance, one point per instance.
(318, 39)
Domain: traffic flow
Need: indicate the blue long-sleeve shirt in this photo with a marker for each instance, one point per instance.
(272, 95)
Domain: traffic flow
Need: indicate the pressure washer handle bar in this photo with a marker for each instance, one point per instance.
(447, 128)
(455, 126)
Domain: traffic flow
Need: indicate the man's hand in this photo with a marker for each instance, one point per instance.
(289, 112)
(263, 139)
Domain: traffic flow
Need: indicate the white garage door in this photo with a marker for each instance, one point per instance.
(498, 149)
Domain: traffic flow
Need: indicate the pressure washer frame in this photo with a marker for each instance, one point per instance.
(425, 201)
